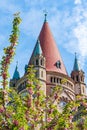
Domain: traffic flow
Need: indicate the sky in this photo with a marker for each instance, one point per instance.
(68, 23)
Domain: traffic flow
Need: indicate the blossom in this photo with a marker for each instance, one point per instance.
(2, 109)
(49, 119)
(22, 128)
(15, 122)
(30, 91)
(55, 96)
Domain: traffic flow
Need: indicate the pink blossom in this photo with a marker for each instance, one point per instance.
(22, 128)
(71, 117)
(55, 96)
(4, 75)
(66, 129)
(30, 90)
(49, 119)
(2, 109)
(15, 122)
(4, 91)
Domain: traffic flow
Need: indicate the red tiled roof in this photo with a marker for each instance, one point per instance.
(50, 50)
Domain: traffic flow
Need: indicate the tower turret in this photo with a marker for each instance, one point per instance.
(76, 66)
(78, 76)
(15, 78)
(38, 60)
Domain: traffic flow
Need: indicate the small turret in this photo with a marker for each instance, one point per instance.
(78, 76)
(38, 50)
(16, 74)
(76, 66)
(38, 61)
(16, 77)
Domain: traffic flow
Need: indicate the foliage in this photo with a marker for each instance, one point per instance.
(34, 109)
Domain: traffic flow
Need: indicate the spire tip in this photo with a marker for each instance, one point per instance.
(45, 14)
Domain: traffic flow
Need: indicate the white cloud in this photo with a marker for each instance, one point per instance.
(76, 29)
(68, 26)
(8, 6)
(78, 1)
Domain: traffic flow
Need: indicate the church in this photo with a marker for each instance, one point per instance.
(50, 69)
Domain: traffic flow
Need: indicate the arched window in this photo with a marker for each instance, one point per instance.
(57, 80)
(41, 62)
(54, 79)
(37, 62)
(14, 85)
(51, 79)
(73, 77)
(77, 78)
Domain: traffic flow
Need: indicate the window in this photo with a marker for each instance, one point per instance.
(62, 104)
(54, 79)
(41, 73)
(73, 77)
(57, 80)
(41, 62)
(14, 85)
(51, 79)
(77, 78)
(37, 62)
(58, 64)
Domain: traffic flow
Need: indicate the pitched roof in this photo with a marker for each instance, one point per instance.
(50, 51)
(37, 50)
(16, 73)
(76, 66)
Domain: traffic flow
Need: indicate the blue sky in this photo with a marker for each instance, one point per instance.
(68, 23)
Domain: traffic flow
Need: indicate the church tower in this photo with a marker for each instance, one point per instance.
(15, 78)
(50, 69)
(78, 76)
(49, 64)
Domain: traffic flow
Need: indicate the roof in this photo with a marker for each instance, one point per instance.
(50, 50)
(37, 50)
(76, 66)
(16, 74)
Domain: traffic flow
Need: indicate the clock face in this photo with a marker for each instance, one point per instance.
(62, 104)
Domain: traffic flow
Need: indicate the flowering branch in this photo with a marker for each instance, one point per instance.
(7, 58)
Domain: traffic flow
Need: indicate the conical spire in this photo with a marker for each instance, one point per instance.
(50, 51)
(37, 50)
(16, 73)
(76, 66)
